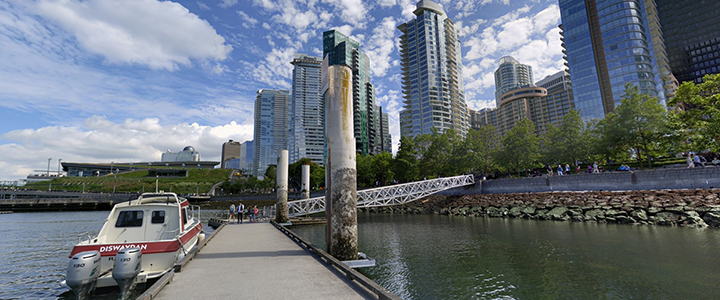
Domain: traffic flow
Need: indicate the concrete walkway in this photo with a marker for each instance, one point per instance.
(257, 261)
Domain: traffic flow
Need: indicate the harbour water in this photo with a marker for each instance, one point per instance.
(442, 257)
(35, 248)
(438, 257)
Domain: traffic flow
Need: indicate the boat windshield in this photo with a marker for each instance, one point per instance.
(130, 218)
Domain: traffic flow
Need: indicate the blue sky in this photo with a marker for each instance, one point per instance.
(125, 80)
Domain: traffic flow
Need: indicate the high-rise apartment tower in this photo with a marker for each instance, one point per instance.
(511, 75)
(306, 138)
(340, 49)
(432, 81)
(271, 128)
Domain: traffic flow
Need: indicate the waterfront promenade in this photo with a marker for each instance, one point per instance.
(257, 261)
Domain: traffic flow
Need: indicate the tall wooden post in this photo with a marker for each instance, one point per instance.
(281, 207)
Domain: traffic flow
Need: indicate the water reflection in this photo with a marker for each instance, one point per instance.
(442, 257)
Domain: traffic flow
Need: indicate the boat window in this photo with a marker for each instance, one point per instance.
(158, 217)
(130, 218)
(184, 214)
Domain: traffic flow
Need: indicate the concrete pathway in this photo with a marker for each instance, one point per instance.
(257, 261)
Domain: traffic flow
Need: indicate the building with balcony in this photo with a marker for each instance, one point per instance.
(432, 81)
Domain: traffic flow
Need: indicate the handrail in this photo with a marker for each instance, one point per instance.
(350, 273)
(386, 195)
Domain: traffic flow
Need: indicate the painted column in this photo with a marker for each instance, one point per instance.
(281, 207)
(305, 182)
(341, 173)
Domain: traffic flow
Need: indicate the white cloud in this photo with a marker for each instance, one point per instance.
(160, 35)
(102, 141)
(387, 3)
(351, 11)
(227, 3)
(380, 45)
(248, 20)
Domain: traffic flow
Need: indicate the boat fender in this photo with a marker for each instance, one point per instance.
(126, 268)
(201, 236)
(82, 273)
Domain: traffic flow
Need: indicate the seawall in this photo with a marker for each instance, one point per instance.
(693, 208)
(657, 179)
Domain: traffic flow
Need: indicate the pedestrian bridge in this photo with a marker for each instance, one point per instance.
(385, 196)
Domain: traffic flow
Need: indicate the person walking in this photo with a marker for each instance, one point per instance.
(698, 162)
(240, 212)
(595, 168)
(231, 214)
(689, 161)
(560, 170)
(567, 169)
(549, 170)
(254, 213)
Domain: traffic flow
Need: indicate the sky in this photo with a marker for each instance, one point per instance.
(103, 81)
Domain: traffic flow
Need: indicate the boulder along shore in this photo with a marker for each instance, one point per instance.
(692, 208)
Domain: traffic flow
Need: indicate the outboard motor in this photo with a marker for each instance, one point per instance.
(82, 273)
(126, 268)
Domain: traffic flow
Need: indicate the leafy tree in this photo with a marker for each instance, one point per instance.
(271, 173)
(405, 164)
(364, 167)
(482, 147)
(520, 146)
(697, 118)
(295, 173)
(382, 168)
(566, 143)
(641, 122)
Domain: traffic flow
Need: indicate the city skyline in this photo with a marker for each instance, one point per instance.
(95, 81)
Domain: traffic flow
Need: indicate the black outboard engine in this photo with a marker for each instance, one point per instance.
(126, 268)
(82, 273)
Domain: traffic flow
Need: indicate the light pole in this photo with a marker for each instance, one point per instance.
(48, 172)
(59, 160)
(156, 183)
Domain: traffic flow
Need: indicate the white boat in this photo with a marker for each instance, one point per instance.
(162, 226)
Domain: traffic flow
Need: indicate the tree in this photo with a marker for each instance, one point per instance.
(566, 143)
(697, 117)
(382, 168)
(405, 164)
(295, 173)
(482, 148)
(365, 176)
(640, 122)
(520, 146)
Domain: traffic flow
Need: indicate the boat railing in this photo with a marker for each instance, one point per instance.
(86, 235)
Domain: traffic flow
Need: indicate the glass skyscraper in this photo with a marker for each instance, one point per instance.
(271, 128)
(306, 137)
(511, 75)
(432, 82)
(691, 30)
(608, 44)
(340, 49)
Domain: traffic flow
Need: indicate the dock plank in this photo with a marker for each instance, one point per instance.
(256, 261)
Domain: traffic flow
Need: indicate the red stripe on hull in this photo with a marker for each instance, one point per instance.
(146, 247)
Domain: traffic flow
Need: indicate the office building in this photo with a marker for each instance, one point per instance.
(608, 44)
(432, 81)
(511, 75)
(187, 154)
(340, 49)
(306, 138)
(246, 156)
(691, 31)
(230, 151)
(271, 128)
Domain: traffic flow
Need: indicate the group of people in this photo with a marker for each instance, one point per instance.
(238, 213)
(594, 168)
(694, 161)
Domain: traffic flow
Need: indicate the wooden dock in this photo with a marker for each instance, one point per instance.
(257, 261)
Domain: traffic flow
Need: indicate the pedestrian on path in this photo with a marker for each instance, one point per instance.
(231, 213)
(240, 212)
(567, 169)
(560, 170)
(698, 162)
(595, 168)
(689, 161)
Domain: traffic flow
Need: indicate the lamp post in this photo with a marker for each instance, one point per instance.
(48, 172)
(156, 182)
(59, 160)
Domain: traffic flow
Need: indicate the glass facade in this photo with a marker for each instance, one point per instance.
(691, 30)
(511, 75)
(339, 49)
(608, 44)
(433, 88)
(306, 135)
(271, 128)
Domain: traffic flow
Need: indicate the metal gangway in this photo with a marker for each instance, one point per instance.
(385, 196)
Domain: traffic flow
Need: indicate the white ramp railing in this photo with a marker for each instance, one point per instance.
(384, 196)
